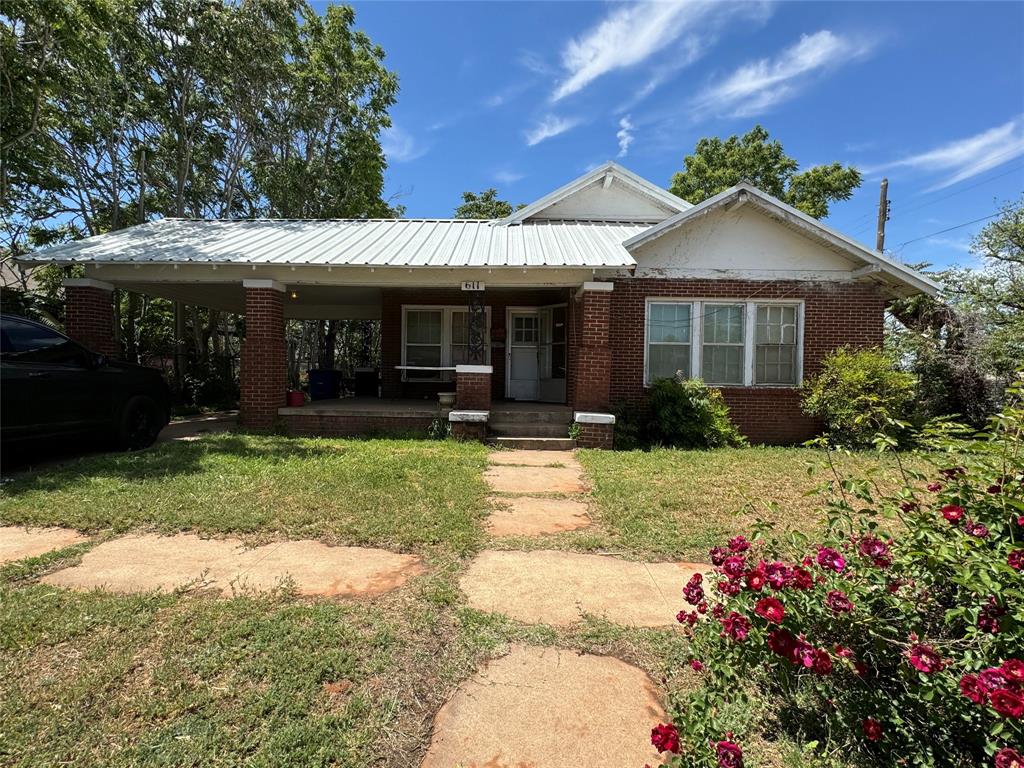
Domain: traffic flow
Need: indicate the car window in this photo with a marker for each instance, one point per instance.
(28, 342)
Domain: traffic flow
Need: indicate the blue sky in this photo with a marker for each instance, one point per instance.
(526, 96)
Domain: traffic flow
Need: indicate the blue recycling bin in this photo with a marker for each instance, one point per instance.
(324, 384)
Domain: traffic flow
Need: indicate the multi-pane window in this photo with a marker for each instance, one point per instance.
(669, 339)
(723, 343)
(775, 353)
(437, 337)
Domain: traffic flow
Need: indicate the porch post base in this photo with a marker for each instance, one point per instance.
(473, 387)
(469, 425)
(594, 430)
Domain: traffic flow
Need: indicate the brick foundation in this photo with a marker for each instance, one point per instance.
(595, 435)
(835, 314)
(473, 389)
(264, 372)
(350, 425)
(469, 430)
(89, 318)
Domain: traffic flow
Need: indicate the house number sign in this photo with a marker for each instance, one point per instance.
(472, 285)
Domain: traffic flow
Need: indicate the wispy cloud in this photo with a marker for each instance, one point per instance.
(631, 34)
(548, 127)
(760, 85)
(534, 62)
(624, 135)
(508, 177)
(964, 158)
(400, 146)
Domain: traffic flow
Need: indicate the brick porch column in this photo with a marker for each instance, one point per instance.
(593, 356)
(473, 387)
(89, 318)
(264, 365)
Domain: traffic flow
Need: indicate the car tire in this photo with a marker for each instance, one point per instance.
(140, 424)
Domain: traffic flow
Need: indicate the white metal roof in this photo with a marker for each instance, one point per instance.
(357, 242)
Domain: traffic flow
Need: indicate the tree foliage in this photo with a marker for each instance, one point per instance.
(484, 205)
(716, 165)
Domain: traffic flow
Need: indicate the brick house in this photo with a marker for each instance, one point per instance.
(555, 314)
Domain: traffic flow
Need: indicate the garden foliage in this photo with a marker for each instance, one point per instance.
(894, 640)
(858, 394)
(679, 413)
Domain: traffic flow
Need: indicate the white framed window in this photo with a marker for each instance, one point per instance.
(669, 339)
(437, 337)
(726, 343)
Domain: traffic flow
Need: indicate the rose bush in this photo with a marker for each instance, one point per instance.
(895, 640)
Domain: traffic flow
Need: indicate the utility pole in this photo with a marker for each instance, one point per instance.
(883, 216)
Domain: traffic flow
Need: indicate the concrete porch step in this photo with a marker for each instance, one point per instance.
(534, 443)
(528, 429)
(518, 416)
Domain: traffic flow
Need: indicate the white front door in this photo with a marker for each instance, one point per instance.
(523, 346)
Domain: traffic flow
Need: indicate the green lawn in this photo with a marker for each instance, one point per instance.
(91, 679)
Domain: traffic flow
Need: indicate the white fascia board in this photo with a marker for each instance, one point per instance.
(583, 417)
(478, 417)
(744, 192)
(87, 282)
(473, 369)
(598, 174)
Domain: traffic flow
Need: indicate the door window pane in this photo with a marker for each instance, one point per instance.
(524, 329)
(775, 354)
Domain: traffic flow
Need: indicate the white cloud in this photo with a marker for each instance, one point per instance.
(760, 85)
(508, 177)
(624, 135)
(627, 36)
(550, 126)
(399, 146)
(968, 157)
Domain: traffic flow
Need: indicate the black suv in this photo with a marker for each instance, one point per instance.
(51, 386)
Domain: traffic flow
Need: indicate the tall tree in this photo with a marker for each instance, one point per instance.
(484, 205)
(716, 165)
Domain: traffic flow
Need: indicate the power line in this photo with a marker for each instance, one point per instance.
(948, 229)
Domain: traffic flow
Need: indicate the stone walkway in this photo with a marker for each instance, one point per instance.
(21, 543)
(147, 562)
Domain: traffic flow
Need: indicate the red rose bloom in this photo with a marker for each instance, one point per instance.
(925, 659)
(1016, 559)
(1007, 703)
(830, 559)
(718, 555)
(693, 592)
(778, 575)
(734, 566)
(872, 729)
(782, 643)
(665, 738)
(696, 665)
(802, 578)
(730, 588)
(992, 678)
(838, 602)
(738, 544)
(729, 753)
(972, 689)
(755, 581)
(1008, 757)
(1013, 670)
(934, 487)
(952, 513)
(822, 664)
(736, 626)
(770, 609)
(975, 529)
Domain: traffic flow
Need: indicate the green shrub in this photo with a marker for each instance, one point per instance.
(895, 640)
(858, 394)
(686, 414)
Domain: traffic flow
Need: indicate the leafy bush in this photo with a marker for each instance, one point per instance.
(874, 648)
(681, 413)
(858, 394)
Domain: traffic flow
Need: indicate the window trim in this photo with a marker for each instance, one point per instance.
(749, 336)
(446, 310)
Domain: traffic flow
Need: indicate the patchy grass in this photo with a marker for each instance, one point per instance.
(400, 494)
(678, 504)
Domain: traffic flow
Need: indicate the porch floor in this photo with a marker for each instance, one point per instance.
(406, 407)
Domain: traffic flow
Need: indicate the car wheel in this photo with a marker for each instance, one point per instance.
(140, 424)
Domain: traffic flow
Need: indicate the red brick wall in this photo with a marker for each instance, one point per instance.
(835, 314)
(89, 318)
(264, 373)
(593, 356)
(473, 391)
(595, 435)
(497, 300)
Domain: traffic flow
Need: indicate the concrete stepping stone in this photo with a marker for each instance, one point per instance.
(534, 516)
(534, 458)
(506, 479)
(550, 587)
(147, 562)
(548, 708)
(20, 543)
